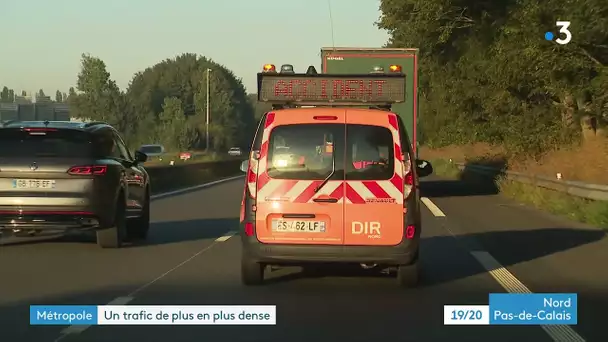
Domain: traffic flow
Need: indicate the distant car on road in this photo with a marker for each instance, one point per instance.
(235, 152)
(185, 156)
(65, 176)
(154, 151)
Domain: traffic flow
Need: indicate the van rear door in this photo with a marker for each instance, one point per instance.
(373, 211)
(300, 177)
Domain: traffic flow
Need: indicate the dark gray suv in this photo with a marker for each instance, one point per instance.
(62, 176)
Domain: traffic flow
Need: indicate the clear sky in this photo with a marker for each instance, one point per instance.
(43, 39)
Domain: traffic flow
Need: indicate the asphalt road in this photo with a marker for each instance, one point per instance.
(190, 259)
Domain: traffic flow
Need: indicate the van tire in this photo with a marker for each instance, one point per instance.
(408, 275)
(252, 273)
(113, 237)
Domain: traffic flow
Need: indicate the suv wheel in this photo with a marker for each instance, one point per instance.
(113, 237)
(408, 275)
(252, 273)
(137, 228)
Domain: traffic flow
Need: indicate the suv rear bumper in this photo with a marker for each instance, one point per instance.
(405, 253)
(40, 219)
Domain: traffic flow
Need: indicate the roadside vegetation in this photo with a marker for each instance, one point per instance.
(164, 104)
(493, 90)
(594, 213)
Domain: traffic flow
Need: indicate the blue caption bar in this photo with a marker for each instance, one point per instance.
(63, 314)
(533, 308)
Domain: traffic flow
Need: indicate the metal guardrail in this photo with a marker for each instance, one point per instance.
(597, 192)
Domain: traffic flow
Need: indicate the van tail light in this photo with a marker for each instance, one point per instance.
(251, 176)
(248, 228)
(408, 184)
(88, 170)
(410, 231)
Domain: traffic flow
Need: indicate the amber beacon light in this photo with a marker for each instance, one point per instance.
(395, 68)
(269, 68)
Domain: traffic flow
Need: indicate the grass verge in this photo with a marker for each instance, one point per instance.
(587, 211)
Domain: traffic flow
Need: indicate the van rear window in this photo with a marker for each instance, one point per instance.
(306, 151)
(370, 153)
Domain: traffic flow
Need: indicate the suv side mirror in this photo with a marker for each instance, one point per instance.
(245, 165)
(424, 168)
(140, 157)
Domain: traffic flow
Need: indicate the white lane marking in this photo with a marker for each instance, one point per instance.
(196, 187)
(432, 207)
(71, 331)
(77, 329)
(509, 282)
(225, 237)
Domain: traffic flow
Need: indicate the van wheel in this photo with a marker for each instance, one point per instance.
(408, 275)
(113, 237)
(252, 273)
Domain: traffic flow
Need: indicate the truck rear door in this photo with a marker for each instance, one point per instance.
(373, 211)
(300, 177)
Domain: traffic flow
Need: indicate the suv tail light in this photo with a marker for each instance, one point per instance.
(40, 129)
(89, 170)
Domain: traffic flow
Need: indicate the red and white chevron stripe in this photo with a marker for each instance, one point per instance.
(351, 192)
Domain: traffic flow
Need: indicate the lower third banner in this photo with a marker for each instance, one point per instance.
(152, 315)
(533, 308)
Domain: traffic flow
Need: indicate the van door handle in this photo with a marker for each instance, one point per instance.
(306, 216)
(325, 200)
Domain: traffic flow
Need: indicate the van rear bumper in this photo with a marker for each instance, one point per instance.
(406, 253)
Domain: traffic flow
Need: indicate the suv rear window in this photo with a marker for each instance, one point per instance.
(61, 143)
(305, 151)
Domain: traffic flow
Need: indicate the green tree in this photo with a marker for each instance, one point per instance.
(11, 95)
(487, 74)
(41, 93)
(185, 78)
(23, 93)
(4, 95)
(100, 98)
(58, 97)
(173, 129)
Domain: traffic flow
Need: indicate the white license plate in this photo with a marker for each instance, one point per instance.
(280, 225)
(33, 184)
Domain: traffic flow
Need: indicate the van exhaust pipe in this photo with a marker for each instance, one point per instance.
(368, 266)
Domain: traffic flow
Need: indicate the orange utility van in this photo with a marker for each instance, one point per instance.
(331, 176)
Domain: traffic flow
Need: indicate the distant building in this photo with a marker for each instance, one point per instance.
(34, 111)
(43, 99)
(23, 99)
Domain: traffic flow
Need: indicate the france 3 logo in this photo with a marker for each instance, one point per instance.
(563, 32)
